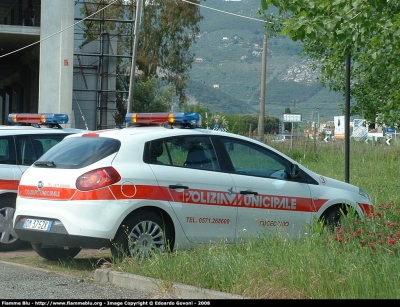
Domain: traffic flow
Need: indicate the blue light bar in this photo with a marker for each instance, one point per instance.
(54, 118)
(192, 119)
(45, 118)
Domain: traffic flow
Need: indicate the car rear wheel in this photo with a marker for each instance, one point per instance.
(9, 240)
(56, 253)
(140, 236)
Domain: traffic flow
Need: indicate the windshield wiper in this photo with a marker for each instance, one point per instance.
(45, 164)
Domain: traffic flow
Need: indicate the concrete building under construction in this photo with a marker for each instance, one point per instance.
(46, 68)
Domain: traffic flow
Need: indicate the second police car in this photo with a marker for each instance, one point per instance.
(148, 188)
(21, 143)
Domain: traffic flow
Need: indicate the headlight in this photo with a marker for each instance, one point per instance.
(364, 193)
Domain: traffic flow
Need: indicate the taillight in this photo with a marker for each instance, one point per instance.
(97, 178)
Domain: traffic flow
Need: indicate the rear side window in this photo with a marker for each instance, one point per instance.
(185, 151)
(79, 152)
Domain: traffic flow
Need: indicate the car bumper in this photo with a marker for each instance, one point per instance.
(58, 236)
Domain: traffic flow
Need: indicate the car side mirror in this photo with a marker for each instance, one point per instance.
(295, 171)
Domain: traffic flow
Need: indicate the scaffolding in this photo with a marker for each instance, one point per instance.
(100, 64)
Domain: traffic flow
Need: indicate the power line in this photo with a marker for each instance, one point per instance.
(237, 15)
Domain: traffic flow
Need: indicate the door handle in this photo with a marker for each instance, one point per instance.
(248, 192)
(178, 186)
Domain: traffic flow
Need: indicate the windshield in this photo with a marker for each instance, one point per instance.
(78, 152)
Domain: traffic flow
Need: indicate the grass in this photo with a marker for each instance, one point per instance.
(359, 260)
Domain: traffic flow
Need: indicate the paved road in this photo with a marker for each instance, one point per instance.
(18, 281)
(22, 282)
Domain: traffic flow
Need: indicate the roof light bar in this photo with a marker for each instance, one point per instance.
(184, 119)
(30, 118)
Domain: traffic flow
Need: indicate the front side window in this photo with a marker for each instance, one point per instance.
(250, 159)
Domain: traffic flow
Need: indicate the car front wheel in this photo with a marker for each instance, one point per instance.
(332, 217)
(56, 253)
(140, 236)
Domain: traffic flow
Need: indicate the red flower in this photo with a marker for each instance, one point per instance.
(391, 242)
(372, 245)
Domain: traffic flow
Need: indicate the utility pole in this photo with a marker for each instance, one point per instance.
(133, 64)
(315, 133)
(347, 122)
(261, 117)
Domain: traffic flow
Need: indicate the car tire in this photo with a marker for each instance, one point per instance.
(140, 236)
(9, 240)
(56, 253)
(333, 217)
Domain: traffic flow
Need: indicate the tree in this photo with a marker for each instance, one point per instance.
(149, 96)
(168, 28)
(368, 30)
(241, 123)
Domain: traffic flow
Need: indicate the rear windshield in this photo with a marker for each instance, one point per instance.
(78, 152)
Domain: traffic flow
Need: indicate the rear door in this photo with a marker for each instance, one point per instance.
(202, 194)
(10, 173)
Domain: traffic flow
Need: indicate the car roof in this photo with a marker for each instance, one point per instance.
(14, 130)
(148, 133)
(155, 131)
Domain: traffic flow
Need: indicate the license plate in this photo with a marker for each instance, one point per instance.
(37, 224)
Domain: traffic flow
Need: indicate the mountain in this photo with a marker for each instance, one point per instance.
(226, 76)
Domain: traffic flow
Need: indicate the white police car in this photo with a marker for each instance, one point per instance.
(148, 188)
(22, 143)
